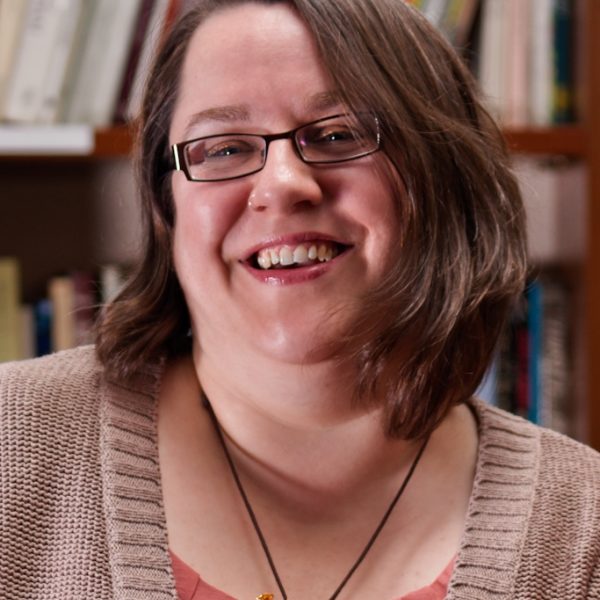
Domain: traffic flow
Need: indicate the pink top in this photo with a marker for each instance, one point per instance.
(191, 587)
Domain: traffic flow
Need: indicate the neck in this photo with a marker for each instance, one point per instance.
(298, 422)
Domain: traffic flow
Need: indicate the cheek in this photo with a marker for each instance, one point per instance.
(203, 221)
(377, 206)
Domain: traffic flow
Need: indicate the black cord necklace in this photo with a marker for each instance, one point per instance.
(259, 532)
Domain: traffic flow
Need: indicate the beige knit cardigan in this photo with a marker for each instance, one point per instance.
(81, 509)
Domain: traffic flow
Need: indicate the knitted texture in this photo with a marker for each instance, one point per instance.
(81, 509)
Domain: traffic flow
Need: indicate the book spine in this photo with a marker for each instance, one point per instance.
(492, 71)
(75, 59)
(43, 326)
(535, 326)
(515, 112)
(164, 14)
(101, 68)
(24, 91)
(10, 332)
(562, 92)
(143, 20)
(61, 293)
(434, 11)
(12, 15)
(556, 370)
(541, 67)
(71, 12)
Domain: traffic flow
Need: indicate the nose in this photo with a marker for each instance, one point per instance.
(286, 184)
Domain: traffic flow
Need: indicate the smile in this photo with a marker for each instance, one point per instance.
(294, 256)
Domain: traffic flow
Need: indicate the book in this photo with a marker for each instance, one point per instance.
(434, 11)
(554, 193)
(563, 100)
(42, 313)
(25, 83)
(27, 328)
(10, 310)
(492, 59)
(457, 21)
(84, 306)
(515, 111)
(535, 316)
(556, 372)
(163, 15)
(80, 38)
(97, 76)
(541, 63)
(531, 374)
(11, 22)
(140, 35)
(73, 298)
(72, 13)
(61, 293)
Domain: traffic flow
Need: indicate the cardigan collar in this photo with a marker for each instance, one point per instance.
(495, 527)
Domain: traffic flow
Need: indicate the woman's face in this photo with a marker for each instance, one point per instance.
(255, 69)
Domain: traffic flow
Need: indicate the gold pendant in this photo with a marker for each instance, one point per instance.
(265, 597)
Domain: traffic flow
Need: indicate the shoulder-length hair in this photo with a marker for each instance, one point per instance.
(431, 327)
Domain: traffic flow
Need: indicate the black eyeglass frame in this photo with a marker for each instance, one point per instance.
(179, 163)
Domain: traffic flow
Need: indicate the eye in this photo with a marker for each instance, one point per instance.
(221, 149)
(331, 134)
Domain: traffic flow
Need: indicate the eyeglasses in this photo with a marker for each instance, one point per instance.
(334, 139)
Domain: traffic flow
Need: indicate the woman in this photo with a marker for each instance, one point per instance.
(280, 401)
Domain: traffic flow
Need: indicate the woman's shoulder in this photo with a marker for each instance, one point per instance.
(558, 461)
(70, 372)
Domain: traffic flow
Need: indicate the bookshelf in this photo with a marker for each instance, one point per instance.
(112, 146)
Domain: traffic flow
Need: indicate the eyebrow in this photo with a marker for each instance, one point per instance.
(234, 112)
(322, 101)
(241, 112)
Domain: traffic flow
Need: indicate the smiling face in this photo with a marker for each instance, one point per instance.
(276, 261)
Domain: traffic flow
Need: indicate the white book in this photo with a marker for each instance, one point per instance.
(61, 293)
(542, 62)
(103, 61)
(54, 79)
(11, 20)
(434, 11)
(515, 112)
(153, 37)
(555, 203)
(24, 86)
(46, 139)
(492, 61)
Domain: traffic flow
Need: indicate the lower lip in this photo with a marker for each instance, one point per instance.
(294, 276)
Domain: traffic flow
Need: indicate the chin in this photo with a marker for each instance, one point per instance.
(301, 347)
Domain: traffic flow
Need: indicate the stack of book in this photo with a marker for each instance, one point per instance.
(77, 61)
(531, 374)
(523, 53)
(64, 319)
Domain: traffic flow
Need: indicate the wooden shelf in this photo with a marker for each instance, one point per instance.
(568, 140)
(113, 142)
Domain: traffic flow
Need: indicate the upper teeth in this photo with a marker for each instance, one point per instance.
(300, 254)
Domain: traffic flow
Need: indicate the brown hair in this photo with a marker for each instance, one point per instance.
(462, 260)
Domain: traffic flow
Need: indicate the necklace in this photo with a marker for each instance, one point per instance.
(260, 534)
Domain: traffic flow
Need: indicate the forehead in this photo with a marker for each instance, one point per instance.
(252, 62)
